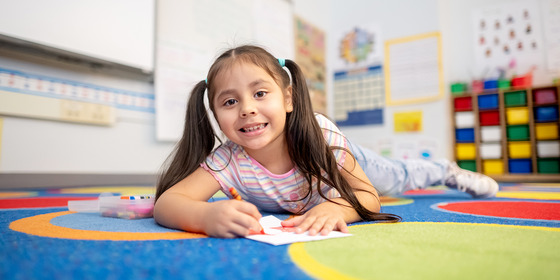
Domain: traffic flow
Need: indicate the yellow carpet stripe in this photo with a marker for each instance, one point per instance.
(122, 190)
(530, 195)
(312, 267)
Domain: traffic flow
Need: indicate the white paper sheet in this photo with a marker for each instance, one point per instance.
(275, 234)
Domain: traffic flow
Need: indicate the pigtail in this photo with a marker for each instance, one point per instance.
(313, 155)
(195, 145)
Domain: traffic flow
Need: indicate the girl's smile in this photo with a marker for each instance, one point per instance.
(253, 128)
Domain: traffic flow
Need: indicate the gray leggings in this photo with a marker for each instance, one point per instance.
(391, 177)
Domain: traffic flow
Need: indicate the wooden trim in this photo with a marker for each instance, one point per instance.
(477, 136)
(532, 136)
(526, 177)
(44, 180)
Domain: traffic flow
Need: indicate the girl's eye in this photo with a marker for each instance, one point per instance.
(230, 102)
(260, 94)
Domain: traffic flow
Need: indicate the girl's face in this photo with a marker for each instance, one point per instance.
(251, 108)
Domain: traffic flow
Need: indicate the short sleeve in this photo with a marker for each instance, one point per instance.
(221, 164)
(334, 138)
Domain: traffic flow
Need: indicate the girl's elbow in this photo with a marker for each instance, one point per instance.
(158, 211)
(162, 210)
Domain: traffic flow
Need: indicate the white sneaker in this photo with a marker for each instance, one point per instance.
(475, 184)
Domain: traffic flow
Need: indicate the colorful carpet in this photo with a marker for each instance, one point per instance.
(444, 235)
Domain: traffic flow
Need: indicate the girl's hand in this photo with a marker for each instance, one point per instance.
(231, 218)
(322, 219)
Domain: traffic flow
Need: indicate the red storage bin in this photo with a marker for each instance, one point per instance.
(545, 96)
(477, 86)
(523, 81)
(489, 118)
(463, 103)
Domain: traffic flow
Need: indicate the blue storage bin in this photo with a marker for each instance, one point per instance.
(520, 166)
(490, 84)
(546, 114)
(488, 101)
(464, 135)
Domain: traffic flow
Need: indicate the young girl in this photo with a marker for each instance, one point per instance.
(279, 157)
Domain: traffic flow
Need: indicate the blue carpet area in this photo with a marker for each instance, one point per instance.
(29, 256)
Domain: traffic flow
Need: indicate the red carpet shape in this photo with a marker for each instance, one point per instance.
(507, 209)
(38, 202)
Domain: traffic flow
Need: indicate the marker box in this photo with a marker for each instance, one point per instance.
(125, 207)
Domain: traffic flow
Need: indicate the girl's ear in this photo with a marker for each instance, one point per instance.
(288, 100)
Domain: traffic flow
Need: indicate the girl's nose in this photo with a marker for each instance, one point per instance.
(248, 109)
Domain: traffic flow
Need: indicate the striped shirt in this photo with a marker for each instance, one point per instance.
(231, 166)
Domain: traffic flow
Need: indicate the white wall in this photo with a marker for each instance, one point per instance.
(317, 12)
(42, 146)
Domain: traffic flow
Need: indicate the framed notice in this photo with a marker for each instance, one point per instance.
(413, 69)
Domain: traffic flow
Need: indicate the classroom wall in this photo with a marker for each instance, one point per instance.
(454, 20)
(457, 26)
(129, 146)
(43, 146)
(395, 19)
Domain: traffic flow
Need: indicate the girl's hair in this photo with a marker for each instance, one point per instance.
(306, 145)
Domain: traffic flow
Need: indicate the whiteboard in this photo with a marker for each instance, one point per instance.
(119, 31)
(191, 34)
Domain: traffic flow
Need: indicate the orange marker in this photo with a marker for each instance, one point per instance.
(236, 196)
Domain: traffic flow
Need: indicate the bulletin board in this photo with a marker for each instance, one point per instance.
(191, 34)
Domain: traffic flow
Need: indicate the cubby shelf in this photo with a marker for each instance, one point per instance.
(508, 134)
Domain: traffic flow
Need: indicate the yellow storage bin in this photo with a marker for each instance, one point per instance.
(519, 149)
(493, 166)
(517, 115)
(466, 151)
(546, 131)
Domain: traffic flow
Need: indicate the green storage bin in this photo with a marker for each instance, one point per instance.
(515, 98)
(504, 84)
(467, 164)
(518, 132)
(548, 165)
(458, 88)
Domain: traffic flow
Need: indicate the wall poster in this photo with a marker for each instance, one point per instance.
(310, 56)
(507, 39)
(358, 78)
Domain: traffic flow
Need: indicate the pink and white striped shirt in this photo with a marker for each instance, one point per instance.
(231, 166)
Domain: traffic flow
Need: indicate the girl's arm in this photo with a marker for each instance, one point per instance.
(185, 206)
(329, 216)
